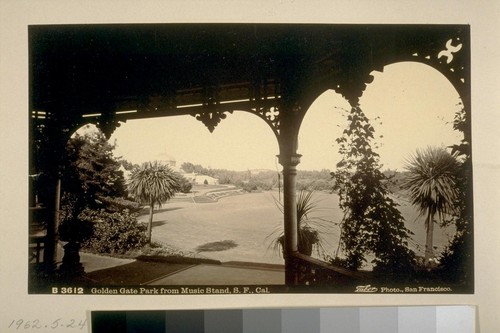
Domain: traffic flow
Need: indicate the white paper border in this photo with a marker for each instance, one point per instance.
(15, 16)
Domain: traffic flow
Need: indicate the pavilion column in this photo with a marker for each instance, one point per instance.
(53, 211)
(50, 160)
(289, 163)
(289, 159)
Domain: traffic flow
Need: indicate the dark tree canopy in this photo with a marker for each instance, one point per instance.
(91, 182)
(457, 260)
(92, 171)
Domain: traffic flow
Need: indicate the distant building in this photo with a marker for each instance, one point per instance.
(200, 180)
(191, 177)
(167, 159)
(195, 178)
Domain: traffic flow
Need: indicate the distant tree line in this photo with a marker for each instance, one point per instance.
(265, 180)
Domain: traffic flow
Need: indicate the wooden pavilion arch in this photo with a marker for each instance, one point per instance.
(108, 74)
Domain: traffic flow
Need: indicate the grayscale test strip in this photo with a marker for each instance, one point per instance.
(408, 319)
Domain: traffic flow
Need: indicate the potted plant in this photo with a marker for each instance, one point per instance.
(73, 230)
(308, 236)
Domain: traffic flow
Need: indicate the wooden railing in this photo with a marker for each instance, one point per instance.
(37, 233)
(310, 271)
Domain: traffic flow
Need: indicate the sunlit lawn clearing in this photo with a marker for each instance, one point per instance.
(246, 221)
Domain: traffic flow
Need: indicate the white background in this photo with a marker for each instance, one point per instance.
(15, 16)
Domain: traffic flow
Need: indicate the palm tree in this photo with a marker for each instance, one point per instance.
(431, 182)
(153, 183)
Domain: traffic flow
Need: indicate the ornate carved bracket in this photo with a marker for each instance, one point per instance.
(269, 112)
(352, 87)
(450, 50)
(107, 124)
(211, 119)
(271, 115)
(450, 59)
(446, 53)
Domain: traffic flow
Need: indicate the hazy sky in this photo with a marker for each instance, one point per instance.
(416, 105)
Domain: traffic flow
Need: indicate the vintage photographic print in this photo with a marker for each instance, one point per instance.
(250, 159)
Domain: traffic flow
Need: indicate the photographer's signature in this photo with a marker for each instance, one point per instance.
(366, 289)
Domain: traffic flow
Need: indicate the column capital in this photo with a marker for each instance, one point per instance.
(289, 159)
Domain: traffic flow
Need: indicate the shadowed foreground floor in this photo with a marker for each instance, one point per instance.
(223, 275)
(154, 271)
(135, 273)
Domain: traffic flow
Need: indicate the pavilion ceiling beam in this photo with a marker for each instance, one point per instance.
(209, 114)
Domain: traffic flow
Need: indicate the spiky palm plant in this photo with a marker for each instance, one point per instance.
(308, 235)
(431, 184)
(153, 183)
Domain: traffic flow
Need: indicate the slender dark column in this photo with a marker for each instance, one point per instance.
(289, 163)
(49, 158)
(289, 159)
(50, 248)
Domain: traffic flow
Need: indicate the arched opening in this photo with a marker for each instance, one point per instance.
(417, 106)
(320, 127)
(228, 217)
(240, 142)
(411, 106)
(111, 70)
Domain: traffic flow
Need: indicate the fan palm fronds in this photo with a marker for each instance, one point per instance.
(153, 183)
(431, 184)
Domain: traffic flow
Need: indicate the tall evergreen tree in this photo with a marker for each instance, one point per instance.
(92, 172)
(92, 187)
(91, 176)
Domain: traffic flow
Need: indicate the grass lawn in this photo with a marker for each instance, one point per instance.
(237, 228)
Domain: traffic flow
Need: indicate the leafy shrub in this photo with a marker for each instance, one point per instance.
(185, 185)
(113, 232)
(119, 204)
(264, 185)
(315, 185)
(456, 261)
(249, 187)
(340, 262)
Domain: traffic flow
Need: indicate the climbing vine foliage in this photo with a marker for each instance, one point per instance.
(457, 261)
(372, 225)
